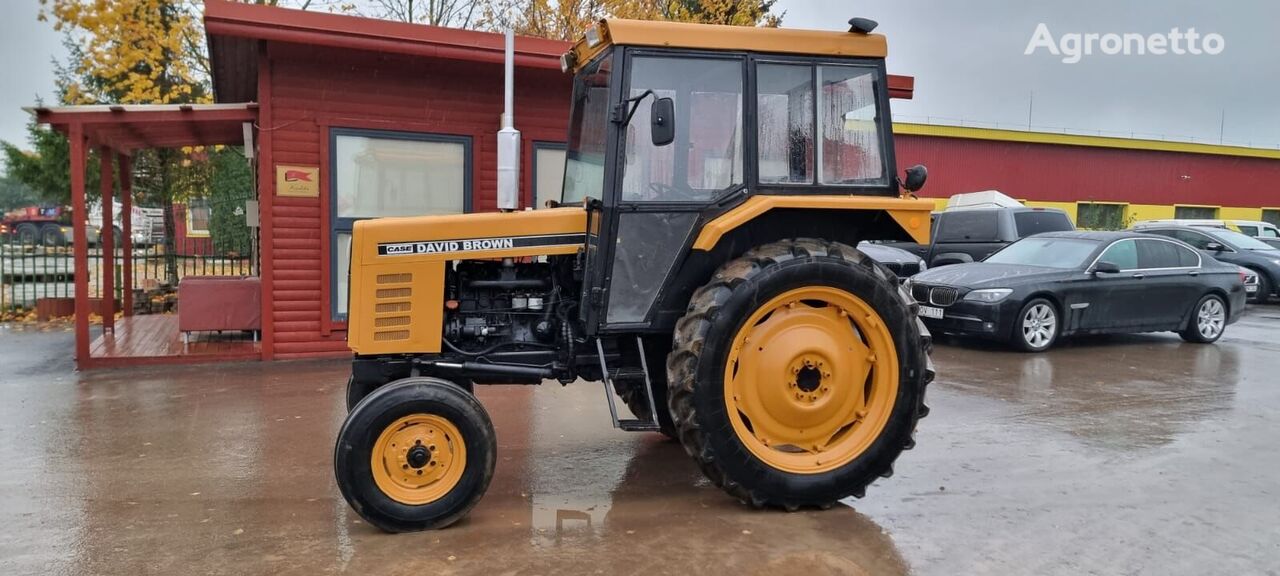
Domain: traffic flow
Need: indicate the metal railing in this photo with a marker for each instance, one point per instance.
(31, 270)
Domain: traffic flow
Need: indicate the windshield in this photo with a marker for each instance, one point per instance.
(1062, 253)
(589, 119)
(1240, 241)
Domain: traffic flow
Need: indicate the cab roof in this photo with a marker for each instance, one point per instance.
(662, 34)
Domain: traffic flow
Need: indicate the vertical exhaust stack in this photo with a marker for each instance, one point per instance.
(509, 138)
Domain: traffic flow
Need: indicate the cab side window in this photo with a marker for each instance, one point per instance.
(1123, 254)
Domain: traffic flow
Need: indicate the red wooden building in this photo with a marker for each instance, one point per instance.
(394, 118)
(355, 118)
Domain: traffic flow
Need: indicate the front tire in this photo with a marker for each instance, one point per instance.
(1208, 321)
(797, 374)
(416, 454)
(1036, 327)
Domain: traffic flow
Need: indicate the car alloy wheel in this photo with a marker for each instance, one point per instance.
(1039, 324)
(1211, 318)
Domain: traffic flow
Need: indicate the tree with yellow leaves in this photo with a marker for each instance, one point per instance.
(569, 19)
(131, 51)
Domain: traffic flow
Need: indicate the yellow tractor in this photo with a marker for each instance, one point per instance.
(700, 264)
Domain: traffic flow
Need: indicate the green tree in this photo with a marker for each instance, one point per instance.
(15, 194)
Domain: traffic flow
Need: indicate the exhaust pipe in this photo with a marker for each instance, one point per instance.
(509, 137)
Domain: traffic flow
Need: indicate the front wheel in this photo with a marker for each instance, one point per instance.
(415, 454)
(1036, 328)
(797, 374)
(1208, 322)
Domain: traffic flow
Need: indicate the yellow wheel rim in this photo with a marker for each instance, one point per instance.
(811, 380)
(418, 459)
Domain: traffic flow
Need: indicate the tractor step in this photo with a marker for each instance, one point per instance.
(642, 375)
(638, 426)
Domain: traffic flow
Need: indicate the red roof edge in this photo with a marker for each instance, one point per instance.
(903, 87)
(223, 18)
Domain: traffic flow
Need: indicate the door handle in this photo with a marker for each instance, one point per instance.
(1139, 276)
(1193, 273)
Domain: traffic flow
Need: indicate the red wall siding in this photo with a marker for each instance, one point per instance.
(313, 89)
(1047, 172)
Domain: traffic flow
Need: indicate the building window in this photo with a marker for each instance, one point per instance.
(1091, 216)
(1271, 216)
(1195, 212)
(198, 215)
(548, 172)
(382, 173)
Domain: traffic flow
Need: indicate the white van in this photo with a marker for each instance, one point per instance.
(1254, 228)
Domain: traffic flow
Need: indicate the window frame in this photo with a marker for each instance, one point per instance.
(1217, 210)
(533, 169)
(620, 132)
(346, 224)
(884, 126)
(192, 231)
(1123, 206)
(1177, 244)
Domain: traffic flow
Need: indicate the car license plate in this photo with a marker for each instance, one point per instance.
(931, 312)
(1251, 288)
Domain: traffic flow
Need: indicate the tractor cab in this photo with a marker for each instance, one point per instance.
(674, 122)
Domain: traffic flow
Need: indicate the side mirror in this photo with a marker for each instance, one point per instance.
(1105, 267)
(1215, 246)
(916, 175)
(662, 121)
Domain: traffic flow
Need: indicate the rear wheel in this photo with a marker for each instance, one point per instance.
(51, 235)
(415, 454)
(27, 233)
(1264, 289)
(1208, 321)
(798, 374)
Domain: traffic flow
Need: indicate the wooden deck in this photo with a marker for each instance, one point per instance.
(154, 339)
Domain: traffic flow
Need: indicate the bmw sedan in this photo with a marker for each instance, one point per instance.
(1051, 285)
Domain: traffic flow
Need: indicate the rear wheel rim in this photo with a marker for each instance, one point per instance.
(1211, 318)
(1038, 325)
(811, 380)
(418, 459)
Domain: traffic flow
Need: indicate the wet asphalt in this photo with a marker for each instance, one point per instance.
(1117, 455)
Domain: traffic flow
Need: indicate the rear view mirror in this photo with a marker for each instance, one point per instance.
(1105, 267)
(662, 121)
(1215, 246)
(916, 175)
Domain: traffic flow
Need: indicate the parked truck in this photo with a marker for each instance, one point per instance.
(47, 225)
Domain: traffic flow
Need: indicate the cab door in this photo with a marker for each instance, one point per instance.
(660, 189)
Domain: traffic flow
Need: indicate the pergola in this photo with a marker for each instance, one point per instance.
(117, 131)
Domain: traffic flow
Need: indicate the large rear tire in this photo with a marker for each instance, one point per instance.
(798, 374)
(416, 454)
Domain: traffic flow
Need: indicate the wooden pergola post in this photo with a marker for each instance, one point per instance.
(126, 240)
(106, 239)
(79, 224)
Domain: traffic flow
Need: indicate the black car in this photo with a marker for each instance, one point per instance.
(1229, 246)
(971, 234)
(1051, 285)
(897, 260)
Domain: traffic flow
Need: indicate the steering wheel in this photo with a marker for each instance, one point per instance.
(665, 192)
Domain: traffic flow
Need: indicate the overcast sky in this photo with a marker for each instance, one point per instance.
(968, 61)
